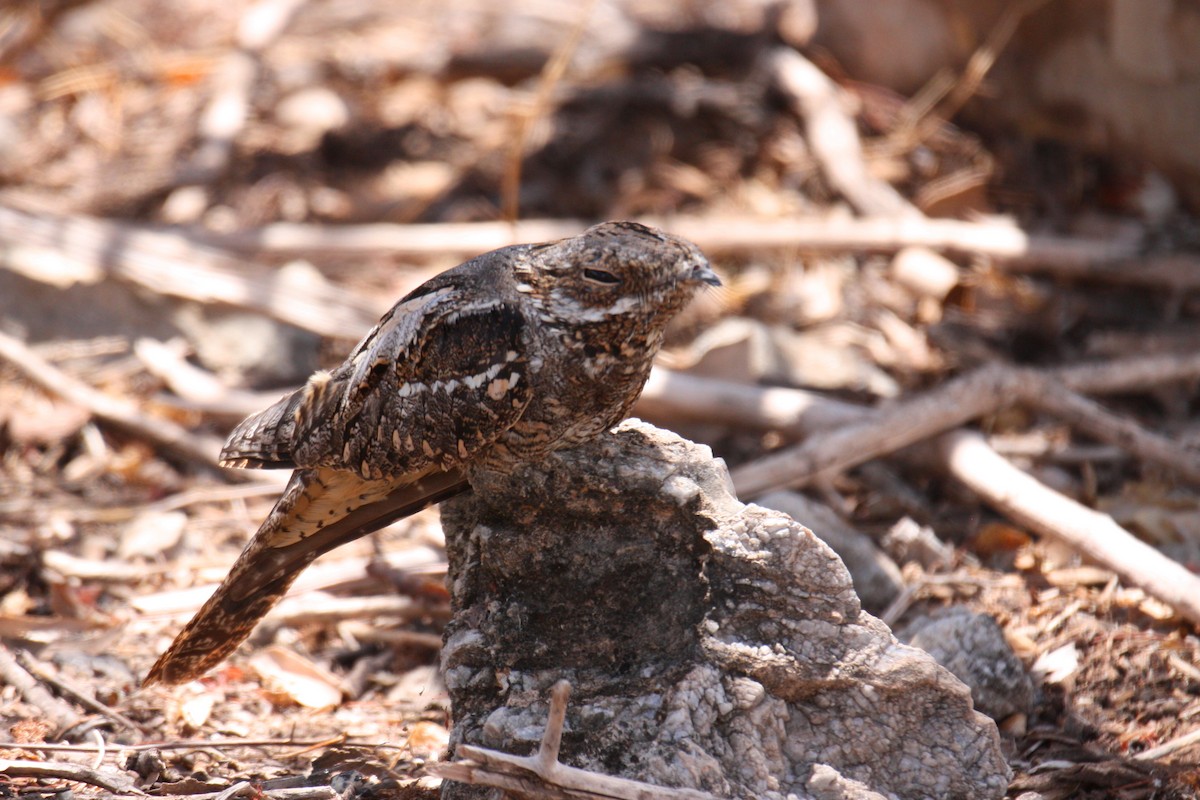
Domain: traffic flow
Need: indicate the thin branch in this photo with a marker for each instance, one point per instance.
(886, 431)
(1092, 418)
(1096, 536)
(673, 395)
(16, 676)
(998, 238)
(1127, 374)
(977, 394)
(199, 744)
(112, 781)
(202, 389)
(916, 115)
(111, 410)
(78, 695)
(552, 73)
(168, 263)
(542, 775)
(832, 134)
(1169, 747)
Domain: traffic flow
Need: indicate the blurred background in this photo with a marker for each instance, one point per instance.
(202, 202)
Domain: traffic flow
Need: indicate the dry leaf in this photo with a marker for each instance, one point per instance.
(998, 537)
(152, 533)
(1057, 665)
(197, 704)
(298, 678)
(428, 739)
(1068, 577)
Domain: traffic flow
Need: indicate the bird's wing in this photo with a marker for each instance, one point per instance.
(383, 436)
(436, 381)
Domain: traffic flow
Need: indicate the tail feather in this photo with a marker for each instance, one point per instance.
(293, 535)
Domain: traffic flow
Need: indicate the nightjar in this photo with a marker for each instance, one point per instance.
(512, 355)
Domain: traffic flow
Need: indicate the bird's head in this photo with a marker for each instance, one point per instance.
(615, 269)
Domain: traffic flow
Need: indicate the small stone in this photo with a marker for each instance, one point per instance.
(925, 272)
(973, 647)
(315, 109)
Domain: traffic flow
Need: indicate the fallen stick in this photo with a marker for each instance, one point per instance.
(202, 390)
(670, 396)
(322, 607)
(832, 133)
(64, 687)
(994, 237)
(1096, 536)
(1092, 418)
(976, 394)
(825, 454)
(116, 412)
(1176, 271)
(320, 576)
(1064, 519)
(542, 775)
(1169, 747)
(62, 249)
(13, 674)
(1128, 374)
(112, 781)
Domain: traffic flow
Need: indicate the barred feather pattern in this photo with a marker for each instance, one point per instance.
(507, 357)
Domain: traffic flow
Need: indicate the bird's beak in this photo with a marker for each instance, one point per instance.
(704, 273)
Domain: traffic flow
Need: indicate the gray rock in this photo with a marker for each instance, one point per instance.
(709, 644)
(877, 579)
(973, 647)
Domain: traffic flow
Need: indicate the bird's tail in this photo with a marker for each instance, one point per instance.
(320, 509)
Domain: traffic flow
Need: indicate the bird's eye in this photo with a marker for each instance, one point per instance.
(601, 276)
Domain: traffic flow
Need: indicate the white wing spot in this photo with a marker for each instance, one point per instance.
(498, 388)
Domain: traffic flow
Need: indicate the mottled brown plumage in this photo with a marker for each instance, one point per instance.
(512, 355)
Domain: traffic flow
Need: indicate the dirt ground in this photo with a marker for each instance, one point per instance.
(149, 299)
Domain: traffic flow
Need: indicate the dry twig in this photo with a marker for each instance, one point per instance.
(886, 431)
(995, 237)
(112, 781)
(1167, 748)
(116, 412)
(165, 262)
(203, 390)
(1023, 498)
(987, 391)
(832, 134)
(673, 396)
(916, 122)
(1094, 419)
(552, 73)
(979, 393)
(78, 695)
(542, 775)
(322, 575)
(58, 712)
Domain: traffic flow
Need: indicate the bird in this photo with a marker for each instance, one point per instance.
(504, 359)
